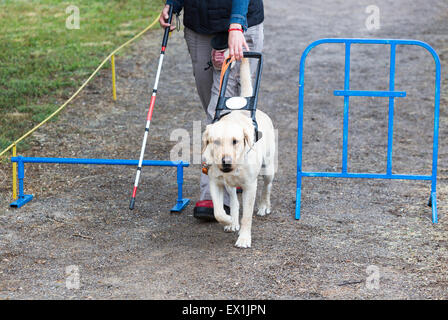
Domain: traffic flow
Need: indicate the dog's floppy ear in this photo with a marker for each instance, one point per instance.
(248, 137)
(206, 152)
(205, 139)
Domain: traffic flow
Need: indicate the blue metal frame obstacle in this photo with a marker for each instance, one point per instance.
(391, 94)
(23, 198)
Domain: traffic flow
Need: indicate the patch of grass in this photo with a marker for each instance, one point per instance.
(38, 113)
(42, 61)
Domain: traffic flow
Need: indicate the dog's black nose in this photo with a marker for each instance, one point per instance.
(226, 161)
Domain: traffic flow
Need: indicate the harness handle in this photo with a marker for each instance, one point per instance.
(225, 71)
(227, 62)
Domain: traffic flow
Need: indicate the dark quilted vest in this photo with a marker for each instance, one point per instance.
(212, 16)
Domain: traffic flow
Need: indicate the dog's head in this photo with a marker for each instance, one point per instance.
(225, 143)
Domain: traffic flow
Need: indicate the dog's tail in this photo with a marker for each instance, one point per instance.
(245, 78)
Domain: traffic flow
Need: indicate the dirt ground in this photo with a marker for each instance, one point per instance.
(80, 214)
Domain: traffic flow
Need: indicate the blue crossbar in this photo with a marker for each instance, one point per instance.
(359, 93)
(23, 198)
(391, 94)
(116, 162)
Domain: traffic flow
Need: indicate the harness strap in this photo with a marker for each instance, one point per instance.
(225, 66)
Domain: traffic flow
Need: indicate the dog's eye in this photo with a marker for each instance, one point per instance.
(235, 141)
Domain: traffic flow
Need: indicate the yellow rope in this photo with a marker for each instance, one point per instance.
(114, 86)
(80, 89)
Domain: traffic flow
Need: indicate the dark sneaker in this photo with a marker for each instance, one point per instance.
(204, 210)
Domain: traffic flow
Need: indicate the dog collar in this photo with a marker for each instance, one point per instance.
(205, 168)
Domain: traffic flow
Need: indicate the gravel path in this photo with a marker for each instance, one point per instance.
(79, 215)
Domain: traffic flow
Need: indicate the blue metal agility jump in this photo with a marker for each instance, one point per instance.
(392, 94)
(23, 198)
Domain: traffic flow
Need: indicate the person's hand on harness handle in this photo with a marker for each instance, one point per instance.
(164, 18)
(237, 41)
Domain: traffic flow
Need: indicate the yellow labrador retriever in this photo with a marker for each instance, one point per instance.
(234, 159)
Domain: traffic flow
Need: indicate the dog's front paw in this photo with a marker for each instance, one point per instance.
(244, 241)
(223, 219)
(263, 210)
(232, 228)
